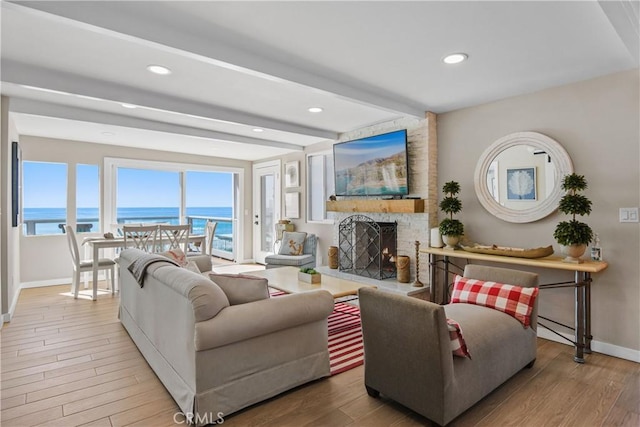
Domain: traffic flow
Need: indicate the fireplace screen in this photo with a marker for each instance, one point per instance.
(368, 248)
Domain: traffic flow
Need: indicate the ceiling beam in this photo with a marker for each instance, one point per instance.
(39, 108)
(130, 21)
(28, 75)
(624, 16)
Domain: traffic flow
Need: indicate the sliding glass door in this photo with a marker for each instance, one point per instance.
(148, 196)
(159, 192)
(209, 197)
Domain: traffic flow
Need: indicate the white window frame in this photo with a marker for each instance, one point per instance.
(326, 192)
(100, 225)
(111, 165)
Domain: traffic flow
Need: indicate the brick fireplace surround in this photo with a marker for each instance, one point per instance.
(422, 155)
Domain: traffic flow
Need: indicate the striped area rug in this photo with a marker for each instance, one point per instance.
(345, 336)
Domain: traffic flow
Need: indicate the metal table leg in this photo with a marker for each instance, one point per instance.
(587, 313)
(445, 282)
(432, 278)
(580, 319)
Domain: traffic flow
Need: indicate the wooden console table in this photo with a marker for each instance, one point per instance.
(581, 283)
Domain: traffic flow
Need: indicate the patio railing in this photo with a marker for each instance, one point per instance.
(222, 240)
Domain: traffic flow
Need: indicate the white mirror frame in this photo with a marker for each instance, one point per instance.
(562, 163)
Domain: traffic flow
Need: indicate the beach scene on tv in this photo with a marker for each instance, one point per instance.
(372, 166)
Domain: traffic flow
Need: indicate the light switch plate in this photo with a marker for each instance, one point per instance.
(628, 214)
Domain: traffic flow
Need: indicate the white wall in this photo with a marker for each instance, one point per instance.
(9, 241)
(597, 122)
(46, 258)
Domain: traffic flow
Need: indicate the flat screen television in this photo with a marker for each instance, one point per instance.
(372, 166)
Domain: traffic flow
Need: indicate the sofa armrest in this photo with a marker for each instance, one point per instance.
(406, 348)
(245, 321)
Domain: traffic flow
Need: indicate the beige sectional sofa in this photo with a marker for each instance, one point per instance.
(214, 357)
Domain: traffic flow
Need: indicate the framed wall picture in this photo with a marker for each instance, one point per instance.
(521, 184)
(16, 183)
(292, 205)
(292, 174)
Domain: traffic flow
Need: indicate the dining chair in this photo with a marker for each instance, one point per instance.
(143, 237)
(174, 237)
(80, 266)
(209, 235)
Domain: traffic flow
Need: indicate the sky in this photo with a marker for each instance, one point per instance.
(45, 186)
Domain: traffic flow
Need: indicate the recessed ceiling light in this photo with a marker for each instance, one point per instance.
(108, 133)
(258, 130)
(159, 69)
(125, 105)
(455, 58)
(315, 110)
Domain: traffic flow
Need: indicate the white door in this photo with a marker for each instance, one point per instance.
(266, 208)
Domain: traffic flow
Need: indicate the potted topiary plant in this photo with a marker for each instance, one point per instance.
(450, 228)
(573, 234)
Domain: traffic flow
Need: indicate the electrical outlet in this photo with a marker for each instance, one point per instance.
(628, 214)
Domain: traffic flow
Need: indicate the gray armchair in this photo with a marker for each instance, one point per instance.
(306, 260)
(408, 352)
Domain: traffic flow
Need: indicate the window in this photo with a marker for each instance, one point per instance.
(209, 196)
(145, 191)
(148, 196)
(44, 198)
(87, 198)
(320, 185)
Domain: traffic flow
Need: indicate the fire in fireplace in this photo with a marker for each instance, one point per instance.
(367, 248)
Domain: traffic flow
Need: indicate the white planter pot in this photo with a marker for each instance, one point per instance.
(574, 252)
(451, 241)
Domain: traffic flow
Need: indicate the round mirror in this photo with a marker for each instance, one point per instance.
(518, 177)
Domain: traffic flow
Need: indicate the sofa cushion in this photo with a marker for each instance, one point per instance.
(207, 300)
(291, 260)
(241, 288)
(292, 243)
(514, 300)
(458, 345)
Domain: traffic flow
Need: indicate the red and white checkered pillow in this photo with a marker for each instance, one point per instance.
(458, 346)
(514, 300)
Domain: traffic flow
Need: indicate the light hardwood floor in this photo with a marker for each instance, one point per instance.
(69, 362)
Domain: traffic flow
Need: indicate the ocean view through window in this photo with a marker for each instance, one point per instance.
(44, 193)
(135, 191)
(47, 219)
(87, 198)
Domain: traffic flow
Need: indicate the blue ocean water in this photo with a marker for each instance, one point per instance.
(55, 216)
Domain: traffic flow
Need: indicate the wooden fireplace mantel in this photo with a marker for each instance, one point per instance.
(376, 205)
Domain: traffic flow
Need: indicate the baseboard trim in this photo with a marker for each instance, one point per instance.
(6, 317)
(43, 283)
(596, 346)
(246, 261)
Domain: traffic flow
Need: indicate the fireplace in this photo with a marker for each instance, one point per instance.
(367, 248)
